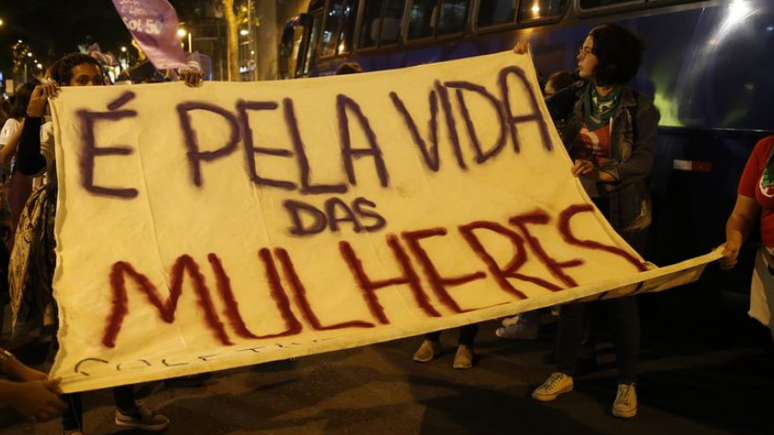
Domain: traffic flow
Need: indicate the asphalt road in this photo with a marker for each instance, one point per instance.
(706, 369)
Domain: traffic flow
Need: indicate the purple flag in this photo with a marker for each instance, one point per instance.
(153, 24)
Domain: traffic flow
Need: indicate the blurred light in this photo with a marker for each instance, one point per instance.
(536, 9)
(29, 54)
(738, 10)
(243, 32)
(40, 66)
(1, 21)
(770, 29)
(252, 52)
(182, 33)
(123, 49)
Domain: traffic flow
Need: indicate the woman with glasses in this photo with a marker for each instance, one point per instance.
(610, 133)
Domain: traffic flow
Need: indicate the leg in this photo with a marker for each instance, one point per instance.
(625, 325)
(124, 397)
(468, 334)
(570, 336)
(72, 417)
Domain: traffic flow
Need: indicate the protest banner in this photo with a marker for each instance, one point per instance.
(201, 229)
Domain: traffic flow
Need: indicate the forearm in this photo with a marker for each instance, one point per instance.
(9, 150)
(737, 229)
(29, 159)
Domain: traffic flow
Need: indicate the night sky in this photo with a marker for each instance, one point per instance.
(56, 27)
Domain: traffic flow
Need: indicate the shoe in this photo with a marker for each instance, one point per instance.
(557, 384)
(508, 321)
(625, 405)
(519, 331)
(463, 360)
(142, 418)
(427, 351)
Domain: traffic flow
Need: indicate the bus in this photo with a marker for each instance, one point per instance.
(708, 65)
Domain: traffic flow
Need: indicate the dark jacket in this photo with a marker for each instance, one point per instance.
(632, 146)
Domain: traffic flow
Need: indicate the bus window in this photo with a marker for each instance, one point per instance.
(339, 25)
(425, 17)
(591, 4)
(422, 19)
(494, 12)
(310, 57)
(383, 17)
(541, 9)
(454, 14)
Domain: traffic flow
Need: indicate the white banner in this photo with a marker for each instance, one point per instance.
(237, 223)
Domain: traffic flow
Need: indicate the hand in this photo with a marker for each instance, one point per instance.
(730, 255)
(38, 401)
(584, 167)
(27, 374)
(588, 169)
(39, 99)
(521, 47)
(191, 77)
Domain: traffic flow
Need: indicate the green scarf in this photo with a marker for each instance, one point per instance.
(598, 109)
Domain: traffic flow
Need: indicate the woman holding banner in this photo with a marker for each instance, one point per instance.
(610, 134)
(34, 251)
(755, 199)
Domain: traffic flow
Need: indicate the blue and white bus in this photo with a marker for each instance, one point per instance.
(708, 64)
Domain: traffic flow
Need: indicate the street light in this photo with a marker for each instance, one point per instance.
(182, 33)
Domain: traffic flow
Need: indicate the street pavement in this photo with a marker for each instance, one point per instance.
(707, 373)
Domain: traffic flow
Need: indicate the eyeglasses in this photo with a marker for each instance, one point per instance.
(585, 51)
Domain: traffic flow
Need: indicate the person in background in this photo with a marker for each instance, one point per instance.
(36, 156)
(18, 186)
(610, 133)
(755, 200)
(28, 391)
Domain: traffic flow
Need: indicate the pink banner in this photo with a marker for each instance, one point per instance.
(153, 24)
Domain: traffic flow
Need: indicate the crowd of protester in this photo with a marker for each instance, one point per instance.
(608, 128)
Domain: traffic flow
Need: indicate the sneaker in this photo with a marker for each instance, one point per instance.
(519, 331)
(508, 321)
(557, 384)
(427, 351)
(625, 405)
(463, 360)
(142, 418)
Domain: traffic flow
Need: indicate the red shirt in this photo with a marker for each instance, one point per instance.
(593, 145)
(751, 186)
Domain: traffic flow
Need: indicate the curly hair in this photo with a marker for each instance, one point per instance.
(62, 70)
(619, 54)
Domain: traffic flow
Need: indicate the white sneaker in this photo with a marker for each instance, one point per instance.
(508, 321)
(519, 331)
(625, 405)
(556, 385)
